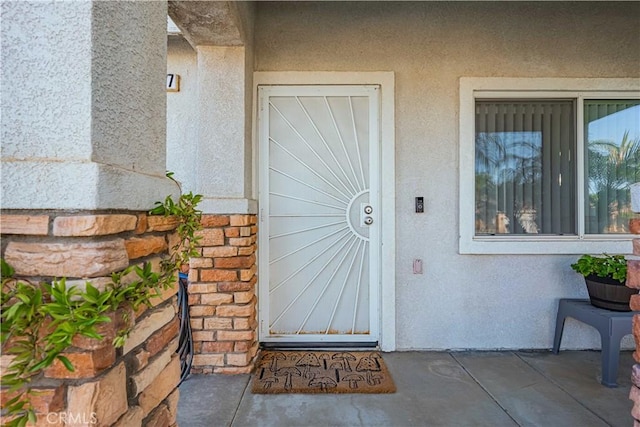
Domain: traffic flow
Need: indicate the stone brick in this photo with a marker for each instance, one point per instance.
(140, 359)
(635, 413)
(107, 397)
(45, 400)
(216, 299)
(246, 275)
(237, 286)
(141, 226)
(236, 310)
(634, 302)
(236, 335)
(196, 323)
(86, 364)
(164, 336)
(164, 295)
(235, 262)
(159, 417)
(173, 241)
(172, 404)
(161, 386)
(194, 299)
(217, 323)
(242, 346)
(232, 232)
(240, 323)
(634, 225)
(635, 375)
(133, 417)
(247, 250)
(634, 394)
(227, 370)
(31, 225)
(633, 274)
(161, 223)
(87, 259)
(220, 252)
(138, 247)
(201, 310)
(239, 220)
(635, 329)
(241, 241)
(5, 362)
(147, 326)
(245, 231)
(202, 288)
(200, 263)
(217, 347)
(241, 359)
(142, 379)
(218, 275)
(121, 319)
(210, 237)
(194, 275)
(636, 246)
(203, 335)
(93, 225)
(243, 297)
(254, 229)
(208, 360)
(209, 221)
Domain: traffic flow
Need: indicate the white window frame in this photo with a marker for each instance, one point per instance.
(472, 88)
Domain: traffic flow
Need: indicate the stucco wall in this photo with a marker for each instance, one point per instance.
(182, 116)
(461, 301)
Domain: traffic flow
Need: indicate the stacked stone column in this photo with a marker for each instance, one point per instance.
(222, 295)
(133, 385)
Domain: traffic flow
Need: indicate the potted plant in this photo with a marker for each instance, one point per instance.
(605, 277)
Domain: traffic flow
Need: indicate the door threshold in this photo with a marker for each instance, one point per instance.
(355, 346)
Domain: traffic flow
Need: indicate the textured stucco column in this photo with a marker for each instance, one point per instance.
(83, 157)
(224, 144)
(83, 105)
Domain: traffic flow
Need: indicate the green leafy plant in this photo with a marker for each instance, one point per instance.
(612, 266)
(40, 320)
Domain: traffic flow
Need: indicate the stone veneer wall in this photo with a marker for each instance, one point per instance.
(130, 386)
(633, 281)
(222, 295)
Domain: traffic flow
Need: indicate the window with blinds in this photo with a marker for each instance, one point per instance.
(612, 162)
(526, 172)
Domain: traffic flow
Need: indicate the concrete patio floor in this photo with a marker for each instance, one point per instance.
(433, 389)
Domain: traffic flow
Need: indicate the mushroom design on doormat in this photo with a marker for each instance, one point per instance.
(309, 359)
(368, 364)
(288, 372)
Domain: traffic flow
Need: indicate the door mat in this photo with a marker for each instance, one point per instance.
(321, 372)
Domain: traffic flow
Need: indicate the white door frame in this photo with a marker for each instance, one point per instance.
(386, 81)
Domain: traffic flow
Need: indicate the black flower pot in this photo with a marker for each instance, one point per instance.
(605, 292)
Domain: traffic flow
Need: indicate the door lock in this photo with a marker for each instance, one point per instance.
(365, 211)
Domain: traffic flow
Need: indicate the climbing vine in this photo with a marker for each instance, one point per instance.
(40, 320)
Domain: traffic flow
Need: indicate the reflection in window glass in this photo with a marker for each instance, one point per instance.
(524, 171)
(612, 163)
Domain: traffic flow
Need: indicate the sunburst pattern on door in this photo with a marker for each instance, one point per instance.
(321, 216)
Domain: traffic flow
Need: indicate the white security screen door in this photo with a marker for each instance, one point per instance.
(319, 214)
